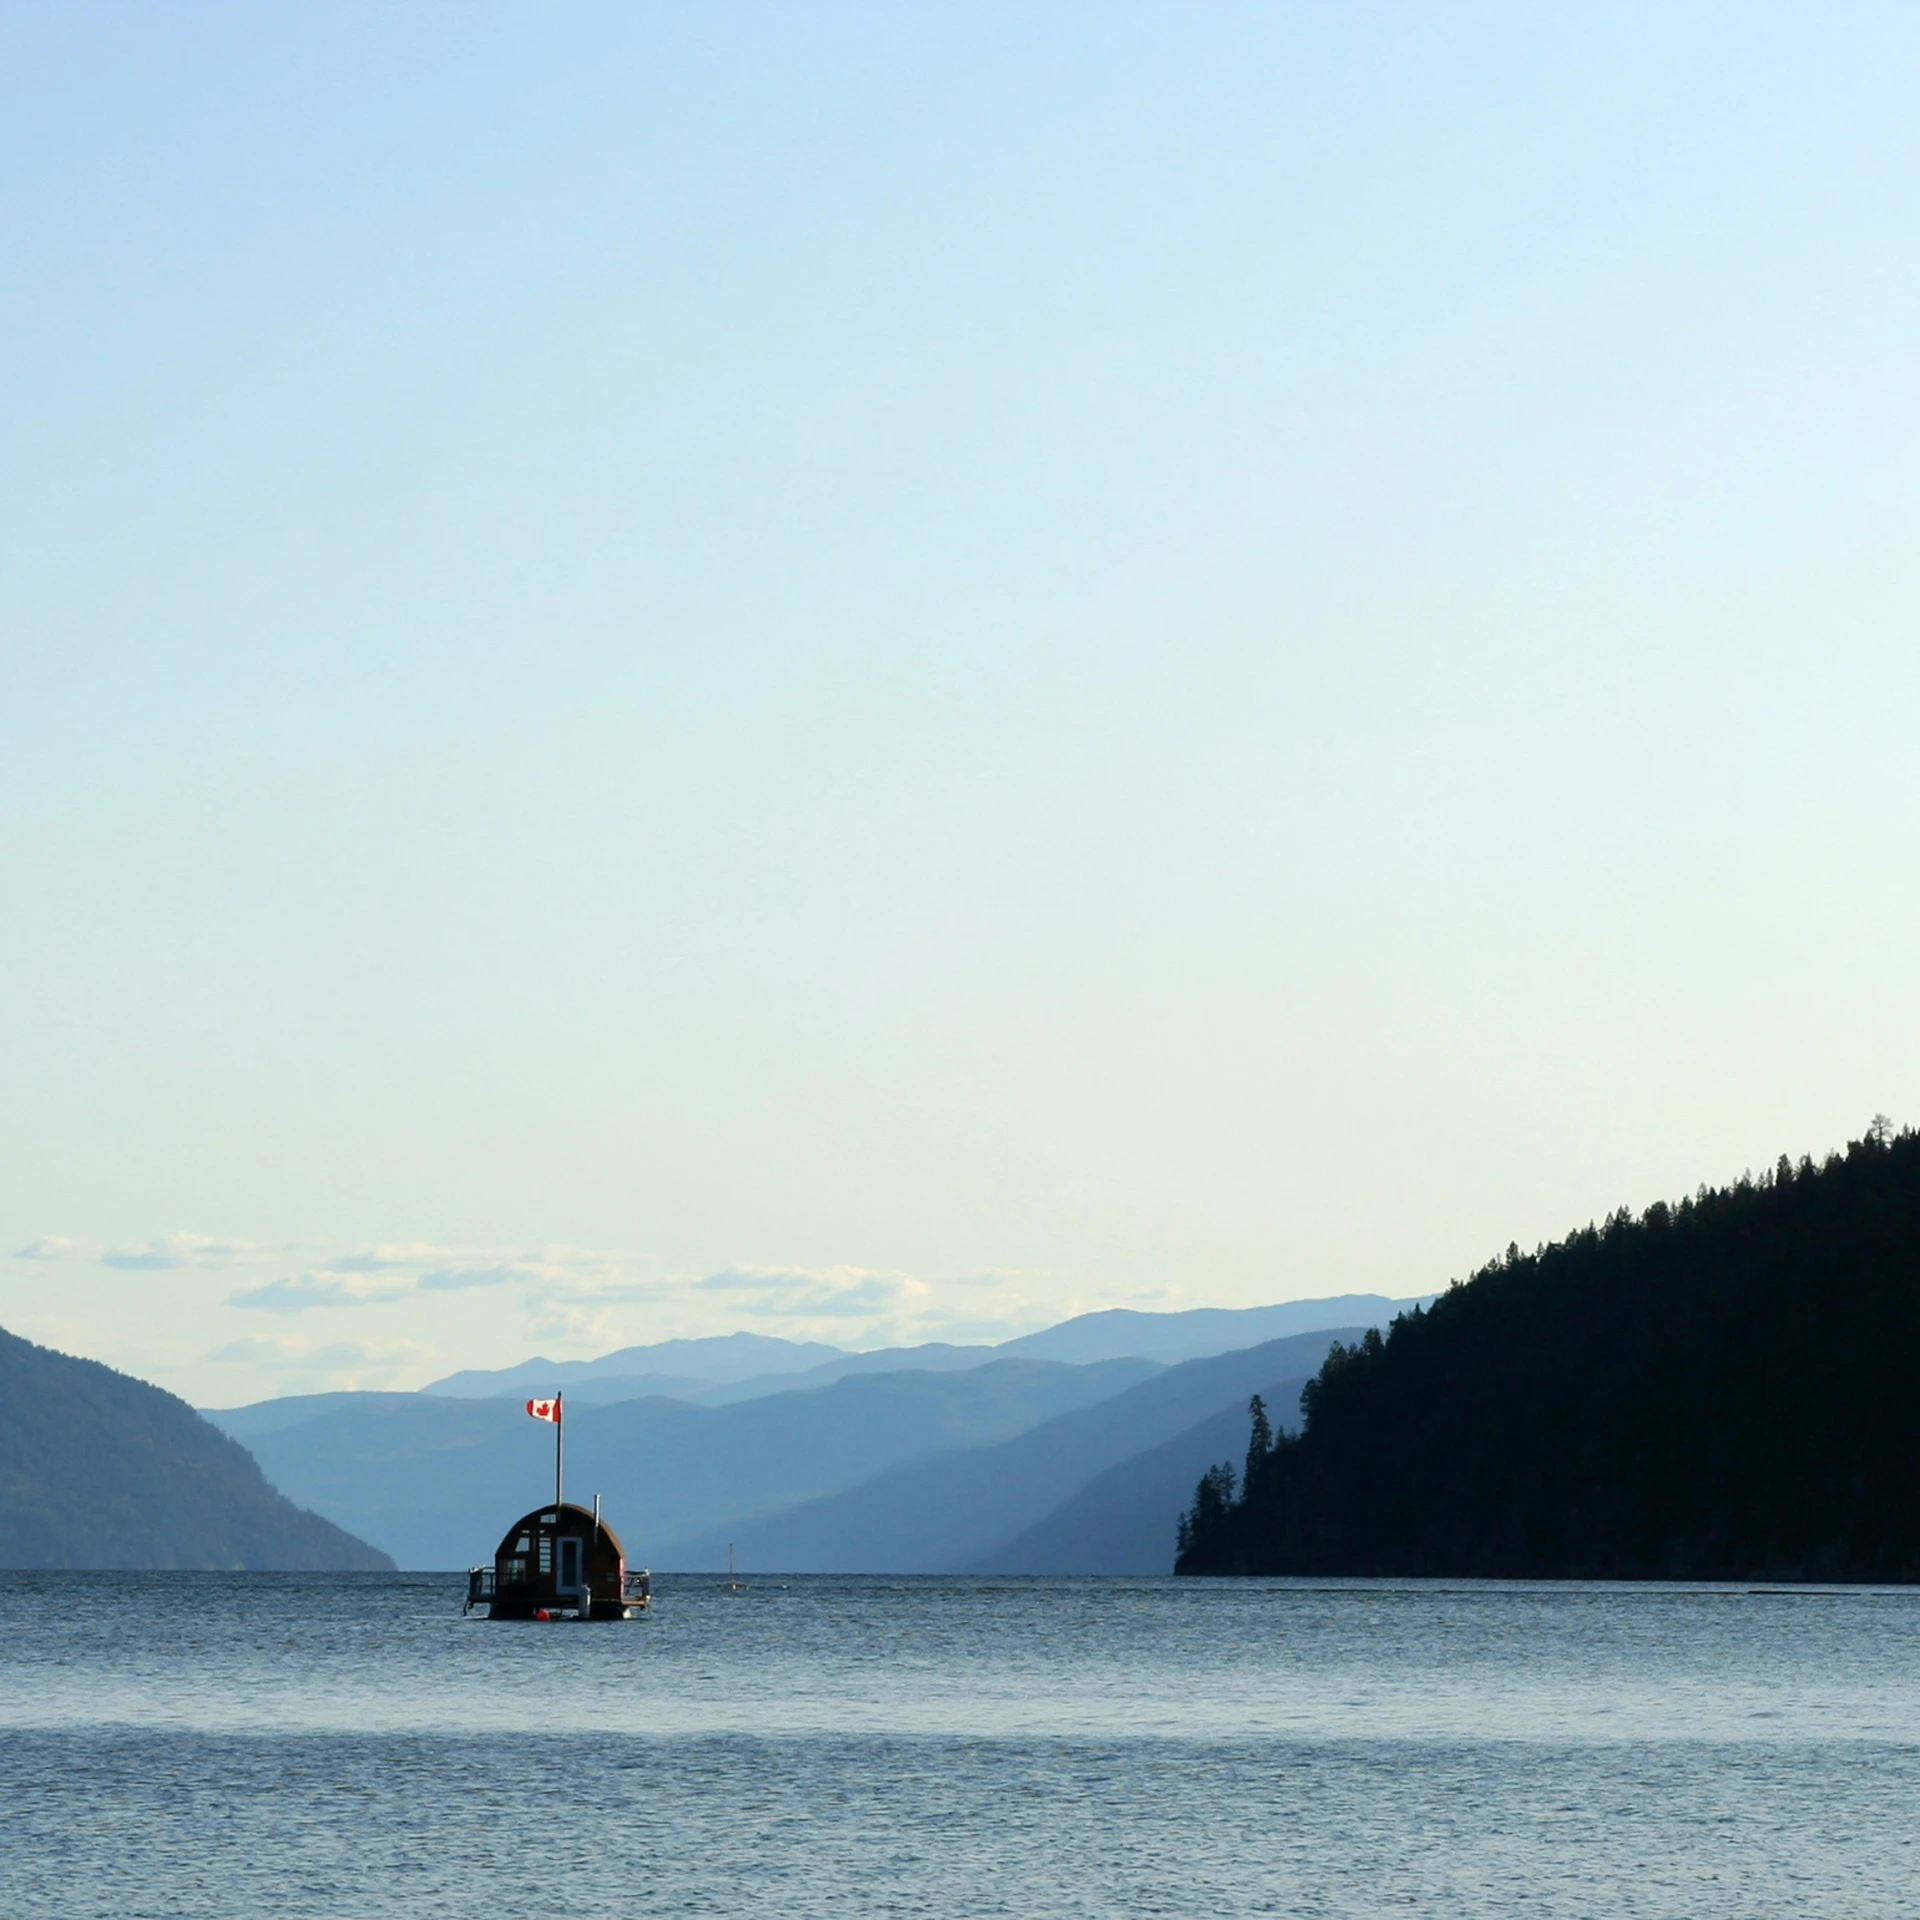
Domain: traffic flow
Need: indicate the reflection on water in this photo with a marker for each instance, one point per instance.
(329, 1744)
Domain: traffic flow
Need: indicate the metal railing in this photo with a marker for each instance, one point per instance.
(636, 1589)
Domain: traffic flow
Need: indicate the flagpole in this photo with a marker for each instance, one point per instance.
(559, 1443)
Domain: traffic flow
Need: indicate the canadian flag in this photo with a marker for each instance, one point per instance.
(545, 1409)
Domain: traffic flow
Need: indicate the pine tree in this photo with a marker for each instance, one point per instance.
(1212, 1499)
(1260, 1443)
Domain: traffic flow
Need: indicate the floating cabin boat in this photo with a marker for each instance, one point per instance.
(558, 1563)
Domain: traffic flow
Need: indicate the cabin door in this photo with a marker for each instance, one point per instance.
(571, 1555)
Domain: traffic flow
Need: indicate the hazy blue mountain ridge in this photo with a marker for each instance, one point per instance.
(1126, 1519)
(435, 1479)
(945, 1513)
(1196, 1332)
(245, 1424)
(716, 1357)
(601, 1389)
(742, 1366)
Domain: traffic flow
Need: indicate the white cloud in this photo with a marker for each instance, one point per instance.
(611, 1293)
(459, 1279)
(861, 1299)
(807, 1294)
(392, 1256)
(184, 1250)
(55, 1246)
(572, 1323)
(286, 1365)
(559, 1268)
(381, 1276)
(246, 1352)
(170, 1250)
(591, 1299)
(580, 1301)
(187, 1250)
(792, 1284)
(860, 1306)
(297, 1292)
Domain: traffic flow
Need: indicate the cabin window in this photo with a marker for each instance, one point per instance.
(514, 1572)
(524, 1544)
(546, 1553)
(569, 1581)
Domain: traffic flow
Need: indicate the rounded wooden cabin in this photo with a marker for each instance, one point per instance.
(559, 1560)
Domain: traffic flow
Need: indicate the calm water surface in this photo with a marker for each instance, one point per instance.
(350, 1745)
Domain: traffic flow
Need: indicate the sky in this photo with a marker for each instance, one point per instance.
(884, 673)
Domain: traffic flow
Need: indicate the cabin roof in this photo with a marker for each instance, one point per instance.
(564, 1519)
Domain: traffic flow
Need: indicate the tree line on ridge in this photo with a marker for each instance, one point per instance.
(1726, 1388)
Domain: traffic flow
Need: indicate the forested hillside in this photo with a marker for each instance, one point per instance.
(99, 1470)
(1728, 1388)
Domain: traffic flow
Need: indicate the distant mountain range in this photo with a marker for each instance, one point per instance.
(964, 1508)
(434, 1480)
(1127, 1519)
(1199, 1331)
(717, 1359)
(924, 1458)
(741, 1366)
(99, 1470)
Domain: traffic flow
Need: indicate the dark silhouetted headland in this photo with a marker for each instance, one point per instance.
(99, 1470)
(1724, 1389)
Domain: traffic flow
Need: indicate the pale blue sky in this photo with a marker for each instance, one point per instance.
(884, 673)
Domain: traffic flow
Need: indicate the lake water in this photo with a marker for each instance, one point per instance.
(349, 1745)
